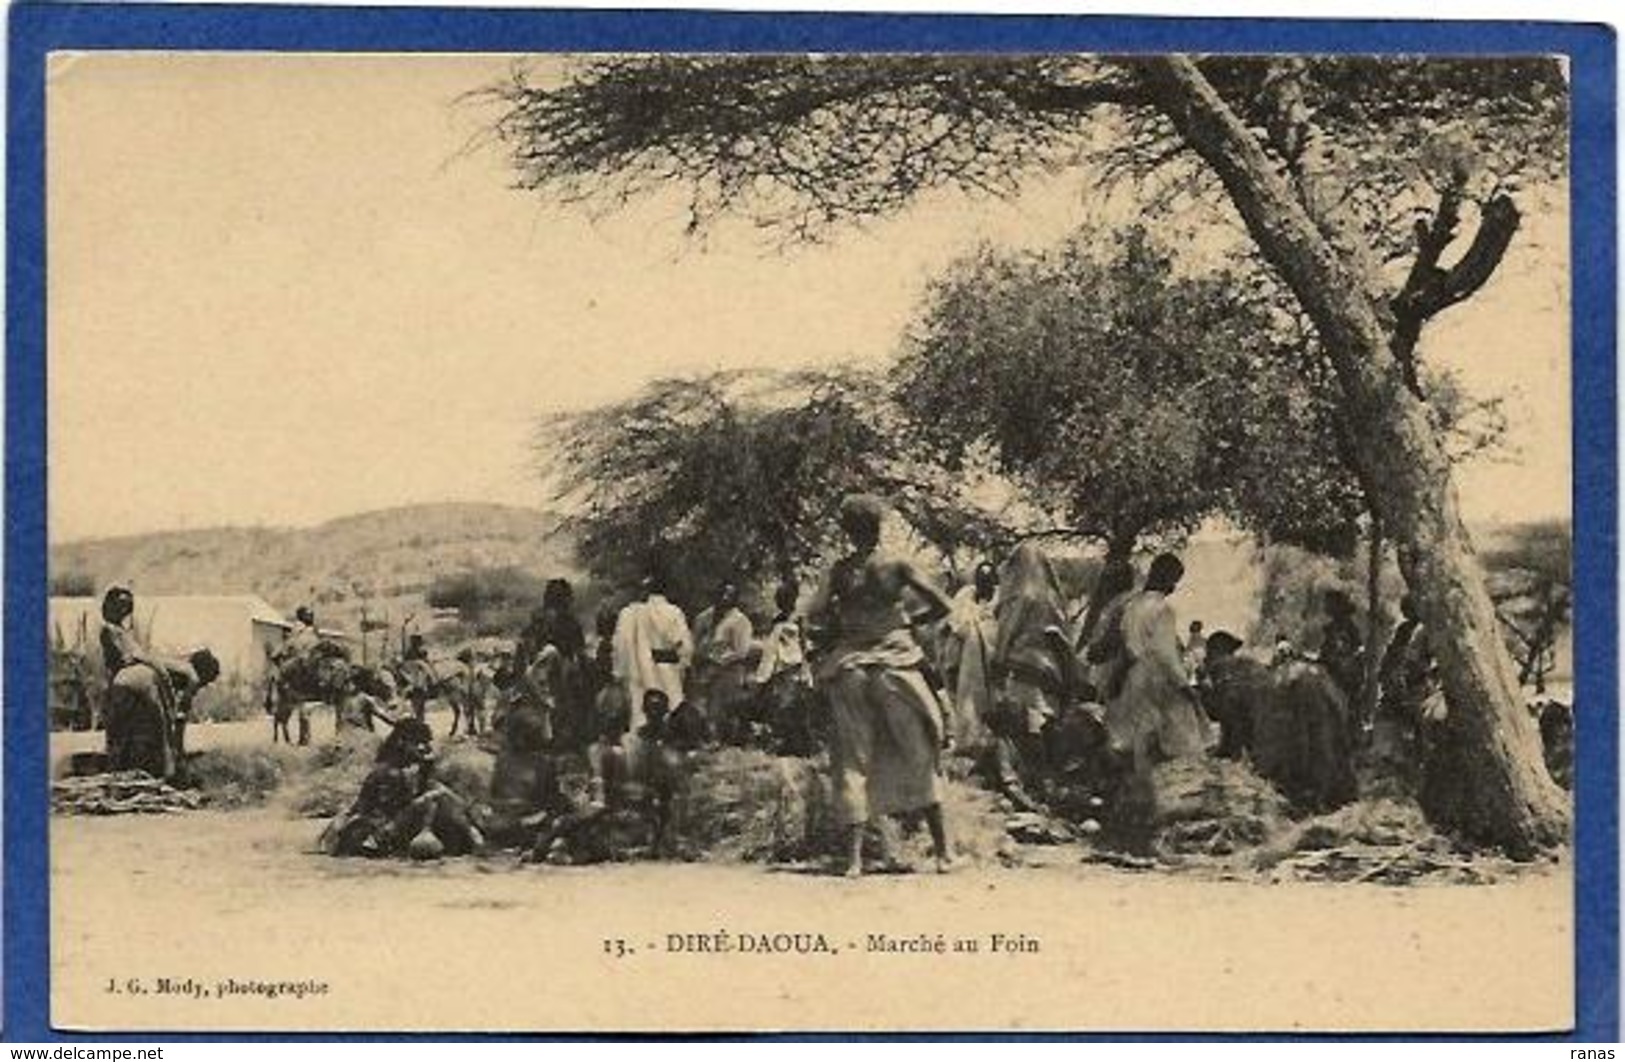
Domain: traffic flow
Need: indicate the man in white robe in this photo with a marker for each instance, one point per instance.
(1155, 716)
(652, 649)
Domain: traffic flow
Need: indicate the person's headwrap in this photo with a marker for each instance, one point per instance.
(861, 515)
(1221, 643)
(117, 604)
(558, 594)
(1166, 570)
(1030, 602)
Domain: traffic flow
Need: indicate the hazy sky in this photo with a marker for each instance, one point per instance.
(280, 292)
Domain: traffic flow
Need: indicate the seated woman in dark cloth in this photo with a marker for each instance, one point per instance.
(399, 800)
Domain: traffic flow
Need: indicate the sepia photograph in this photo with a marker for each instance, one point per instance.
(791, 541)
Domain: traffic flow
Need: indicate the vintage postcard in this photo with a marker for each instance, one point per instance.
(631, 540)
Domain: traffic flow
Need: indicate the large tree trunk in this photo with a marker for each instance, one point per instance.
(1512, 803)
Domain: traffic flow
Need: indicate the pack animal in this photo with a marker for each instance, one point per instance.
(320, 676)
(462, 685)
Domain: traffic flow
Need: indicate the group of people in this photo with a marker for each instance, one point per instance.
(879, 667)
(883, 670)
(149, 695)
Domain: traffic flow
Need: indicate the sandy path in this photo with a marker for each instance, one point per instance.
(213, 895)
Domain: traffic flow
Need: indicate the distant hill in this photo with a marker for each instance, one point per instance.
(383, 560)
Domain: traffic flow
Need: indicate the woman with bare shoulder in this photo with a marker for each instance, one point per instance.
(887, 736)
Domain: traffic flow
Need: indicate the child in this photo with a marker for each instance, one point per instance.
(663, 767)
(606, 758)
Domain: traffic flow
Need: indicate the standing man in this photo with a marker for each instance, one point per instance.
(886, 740)
(729, 651)
(1410, 694)
(1155, 713)
(1153, 717)
(653, 648)
(1341, 650)
(784, 678)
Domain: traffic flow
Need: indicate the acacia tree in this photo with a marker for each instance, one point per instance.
(1138, 400)
(1313, 155)
(1532, 583)
(737, 474)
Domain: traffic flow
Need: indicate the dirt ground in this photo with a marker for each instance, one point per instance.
(151, 915)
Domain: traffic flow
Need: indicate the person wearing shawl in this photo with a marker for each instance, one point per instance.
(1102, 639)
(972, 628)
(554, 624)
(887, 732)
(732, 653)
(1154, 713)
(1031, 657)
(121, 647)
(140, 701)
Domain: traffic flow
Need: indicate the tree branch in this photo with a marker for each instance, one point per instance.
(1430, 289)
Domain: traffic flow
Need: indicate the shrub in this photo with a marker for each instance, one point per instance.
(238, 777)
(488, 596)
(73, 584)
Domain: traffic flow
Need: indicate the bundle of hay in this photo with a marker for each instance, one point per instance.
(982, 829)
(1379, 839)
(80, 764)
(238, 777)
(746, 804)
(603, 836)
(465, 768)
(336, 771)
(749, 805)
(1212, 808)
(119, 793)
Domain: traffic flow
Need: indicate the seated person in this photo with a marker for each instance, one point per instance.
(399, 801)
(1235, 687)
(526, 795)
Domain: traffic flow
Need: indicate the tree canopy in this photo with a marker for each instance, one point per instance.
(1135, 399)
(1532, 581)
(740, 474)
(803, 143)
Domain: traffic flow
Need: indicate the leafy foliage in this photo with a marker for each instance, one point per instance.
(484, 588)
(72, 584)
(1138, 398)
(739, 473)
(1391, 155)
(1532, 584)
(806, 142)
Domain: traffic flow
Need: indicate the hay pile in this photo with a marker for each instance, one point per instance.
(602, 836)
(1212, 808)
(238, 777)
(751, 806)
(1378, 839)
(119, 793)
(465, 768)
(336, 771)
(748, 805)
